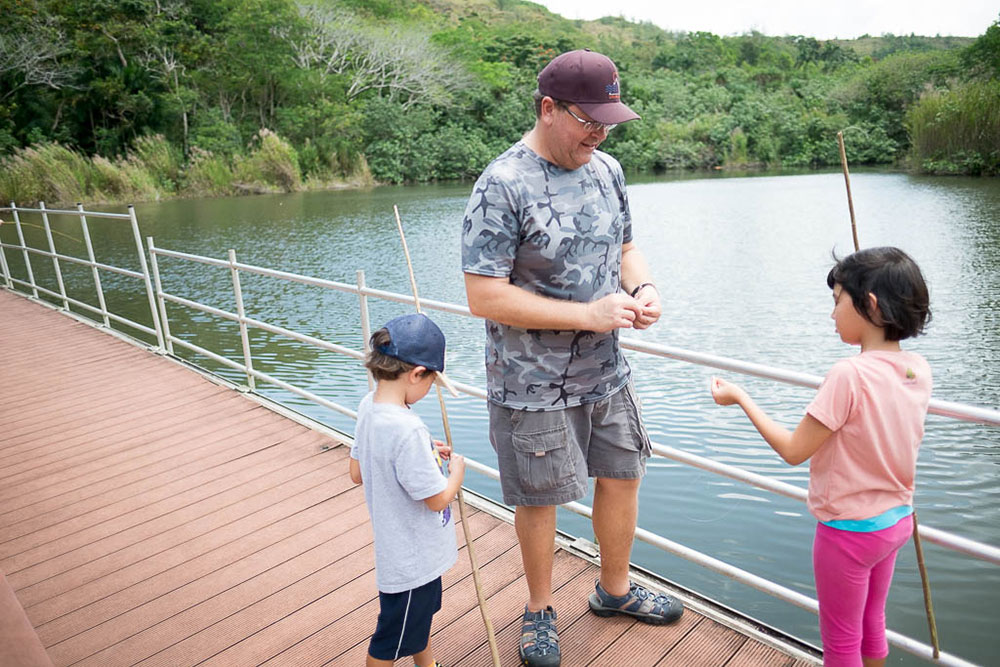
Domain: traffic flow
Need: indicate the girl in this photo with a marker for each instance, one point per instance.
(861, 431)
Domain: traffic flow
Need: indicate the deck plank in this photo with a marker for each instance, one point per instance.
(151, 517)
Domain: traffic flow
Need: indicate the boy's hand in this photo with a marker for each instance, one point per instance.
(726, 393)
(456, 466)
(443, 449)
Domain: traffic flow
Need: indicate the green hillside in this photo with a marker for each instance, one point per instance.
(134, 99)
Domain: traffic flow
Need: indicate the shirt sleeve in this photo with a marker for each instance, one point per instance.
(417, 468)
(490, 228)
(623, 204)
(836, 397)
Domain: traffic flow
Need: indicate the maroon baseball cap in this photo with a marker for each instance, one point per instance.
(589, 80)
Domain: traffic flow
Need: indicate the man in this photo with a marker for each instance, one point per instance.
(549, 261)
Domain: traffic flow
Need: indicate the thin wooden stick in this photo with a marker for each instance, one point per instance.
(461, 499)
(921, 566)
(847, 182)
(928, 605)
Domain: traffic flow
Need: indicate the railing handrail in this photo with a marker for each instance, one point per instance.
(937, 406)
(77, 212)
(166, 340)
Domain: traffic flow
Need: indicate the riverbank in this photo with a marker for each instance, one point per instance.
(153, 170)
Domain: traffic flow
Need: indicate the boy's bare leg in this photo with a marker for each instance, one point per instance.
(426, 657)
(873, 662)
(616, 507)
(536, 535)
(375, 662)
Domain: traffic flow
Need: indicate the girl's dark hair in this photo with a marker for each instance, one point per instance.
(382, 366)
(897, 283)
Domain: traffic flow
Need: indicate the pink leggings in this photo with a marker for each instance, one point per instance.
(853, 572)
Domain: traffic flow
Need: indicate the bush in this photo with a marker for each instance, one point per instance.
(211, 132)
(958, 131)
(207, 175)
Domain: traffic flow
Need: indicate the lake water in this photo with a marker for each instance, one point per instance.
(740, 263)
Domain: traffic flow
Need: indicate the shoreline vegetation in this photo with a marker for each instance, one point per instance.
(143, 100)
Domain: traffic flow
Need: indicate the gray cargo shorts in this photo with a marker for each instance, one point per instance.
(545, 458)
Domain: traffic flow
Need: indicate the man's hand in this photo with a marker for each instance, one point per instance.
(649, 300)
(615, 311)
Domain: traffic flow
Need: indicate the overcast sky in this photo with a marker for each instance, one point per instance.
(823, 20)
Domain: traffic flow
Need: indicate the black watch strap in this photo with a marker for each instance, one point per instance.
(639, 287)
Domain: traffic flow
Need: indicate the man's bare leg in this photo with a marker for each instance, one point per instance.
(616, 507)
(536, 534)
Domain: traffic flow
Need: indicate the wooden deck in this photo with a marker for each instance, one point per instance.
(149, 516)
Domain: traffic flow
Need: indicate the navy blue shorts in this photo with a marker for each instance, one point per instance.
(404, 621)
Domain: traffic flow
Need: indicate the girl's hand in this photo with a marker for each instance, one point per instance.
(444, 451)
(726, 393)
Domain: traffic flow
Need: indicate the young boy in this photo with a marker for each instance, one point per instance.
(407, 493)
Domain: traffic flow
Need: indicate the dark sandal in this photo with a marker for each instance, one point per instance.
(638, 603)
(539, 645)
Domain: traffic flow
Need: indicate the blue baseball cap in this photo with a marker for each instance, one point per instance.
(416, 340)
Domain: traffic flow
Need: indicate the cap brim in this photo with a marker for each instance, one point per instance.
(608, 112)
(443, 379)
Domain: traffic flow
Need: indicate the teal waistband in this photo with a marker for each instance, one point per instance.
(886, 519)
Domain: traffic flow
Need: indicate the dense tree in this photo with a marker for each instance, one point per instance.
(412, 90)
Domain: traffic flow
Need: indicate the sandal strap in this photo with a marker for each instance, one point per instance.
(539, 636)
(639, 600)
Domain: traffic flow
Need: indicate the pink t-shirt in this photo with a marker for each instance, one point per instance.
(875, 404)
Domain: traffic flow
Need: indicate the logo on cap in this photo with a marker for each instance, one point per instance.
(612, 89)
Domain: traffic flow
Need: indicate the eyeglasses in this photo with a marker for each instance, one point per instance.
(589, 125)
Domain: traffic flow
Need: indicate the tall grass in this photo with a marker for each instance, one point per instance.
(153, 169)
(272, 164)
(45, 172)
(957, 131)
(207, 175)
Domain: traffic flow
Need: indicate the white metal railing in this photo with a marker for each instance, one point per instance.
(969, 413)
(158, 299)
(95, 266)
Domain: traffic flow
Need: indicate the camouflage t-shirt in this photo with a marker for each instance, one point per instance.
(557, 233)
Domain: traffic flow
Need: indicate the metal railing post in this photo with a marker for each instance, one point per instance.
(244, 335)
(145, 277)
(24, 250)
(93, 266)
(366, 329)
(164, 321)
(5, 267)
(55, 258)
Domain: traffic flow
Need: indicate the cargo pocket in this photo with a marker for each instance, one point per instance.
(633, 408)
(543, 457)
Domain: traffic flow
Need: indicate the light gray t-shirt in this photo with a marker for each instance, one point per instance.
(399, 469)
(557, 233)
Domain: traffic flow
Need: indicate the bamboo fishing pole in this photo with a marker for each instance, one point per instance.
(924, 581)
(847, 182)
(447, 433)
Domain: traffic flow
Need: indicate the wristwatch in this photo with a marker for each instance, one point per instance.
(639, 287)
